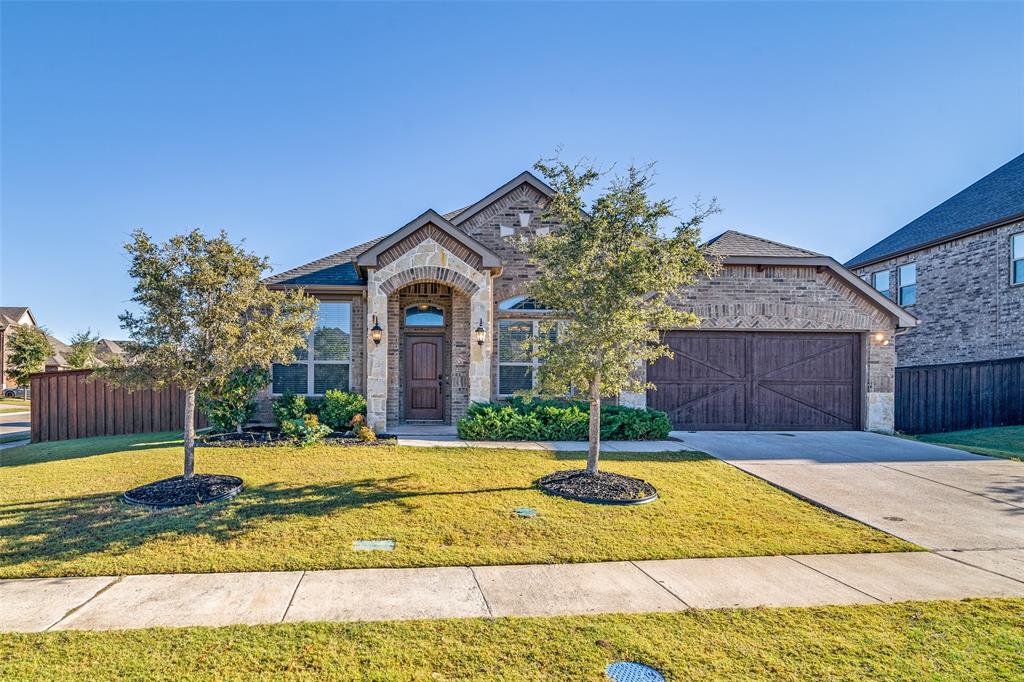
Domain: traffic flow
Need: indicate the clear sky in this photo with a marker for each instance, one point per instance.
(306, 128)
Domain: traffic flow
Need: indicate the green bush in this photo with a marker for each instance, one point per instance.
(288, 407)
(306, 430)
(338, 407)
(559, 420)
(230, 405)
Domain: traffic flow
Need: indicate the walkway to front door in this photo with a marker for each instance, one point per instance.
(424, 372)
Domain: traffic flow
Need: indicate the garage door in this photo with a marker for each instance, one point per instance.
(759, 381)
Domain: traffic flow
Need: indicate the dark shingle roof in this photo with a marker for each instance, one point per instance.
(733, 243)
(997, 196)
(10, 314)
(331, 265)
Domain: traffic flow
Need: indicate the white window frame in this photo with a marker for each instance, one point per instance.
(311, 363)
(900, 285)
(534, 362)
(1014, 238)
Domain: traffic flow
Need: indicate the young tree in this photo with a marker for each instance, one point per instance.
(29, 349)
(204, 313)
(83, 350)
(610, 274)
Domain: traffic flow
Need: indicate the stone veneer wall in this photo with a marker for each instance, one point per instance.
(968, 309)
(797, 298)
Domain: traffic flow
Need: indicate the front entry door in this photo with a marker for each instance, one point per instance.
(423, 372)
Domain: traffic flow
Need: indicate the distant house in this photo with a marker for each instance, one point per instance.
(959, 268)
(11, 317)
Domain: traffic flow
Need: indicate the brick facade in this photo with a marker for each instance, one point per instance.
(430, 266)
(968, 308)
(801, 298)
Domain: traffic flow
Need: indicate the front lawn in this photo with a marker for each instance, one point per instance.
(1002, 441)
(60, 511)
(969, 640)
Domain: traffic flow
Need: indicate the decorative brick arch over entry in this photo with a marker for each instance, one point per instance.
(429, 273)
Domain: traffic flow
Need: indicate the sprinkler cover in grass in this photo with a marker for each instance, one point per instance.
(628, 671)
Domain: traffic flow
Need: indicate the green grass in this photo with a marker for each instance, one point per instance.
(969, 640)
(8, 405)
(11, 437)
(60, 511)
(1002, 441)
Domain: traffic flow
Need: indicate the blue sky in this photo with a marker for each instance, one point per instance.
(306, 128)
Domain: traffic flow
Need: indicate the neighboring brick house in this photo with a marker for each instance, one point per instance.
(960, 269)
(431, 317)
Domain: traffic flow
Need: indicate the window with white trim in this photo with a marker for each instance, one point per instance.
(1017, 258)
(880, 281)
(908, 283)
(517, 362)
(325, 361)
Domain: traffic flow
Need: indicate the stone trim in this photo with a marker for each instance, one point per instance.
(428, 273)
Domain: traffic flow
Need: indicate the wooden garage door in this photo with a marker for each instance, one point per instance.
(759, 381)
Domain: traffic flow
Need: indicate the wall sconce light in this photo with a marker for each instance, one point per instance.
(881, 338)
(481, 333)
(375, 331)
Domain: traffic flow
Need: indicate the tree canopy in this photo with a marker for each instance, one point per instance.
(610, 273)
(83, 350)
(203, 314)
(29, 349)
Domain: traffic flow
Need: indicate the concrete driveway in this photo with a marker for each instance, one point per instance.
(961, 505)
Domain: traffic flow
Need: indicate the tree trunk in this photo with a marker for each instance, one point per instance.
(594, 447)
(190, 433)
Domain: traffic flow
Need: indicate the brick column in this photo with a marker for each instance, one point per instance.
(481, 308)
(376, 355)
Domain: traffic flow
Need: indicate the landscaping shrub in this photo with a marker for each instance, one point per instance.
(306, 430)
(231, 404)
(289, 406)
(339, 407)
(559, 420)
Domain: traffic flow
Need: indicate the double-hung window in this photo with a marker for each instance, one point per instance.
(1017, 258)
(880, 281)
(517, 361)
(908, 283)
(324, 361)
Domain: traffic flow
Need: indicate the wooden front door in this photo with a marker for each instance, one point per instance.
(760, 381)
(423, 377)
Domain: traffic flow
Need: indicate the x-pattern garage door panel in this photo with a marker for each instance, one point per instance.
(759, 380)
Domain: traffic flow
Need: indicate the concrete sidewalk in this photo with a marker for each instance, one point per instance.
(139, 601)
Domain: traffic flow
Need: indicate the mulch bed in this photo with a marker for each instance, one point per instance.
(266, 437)
(178, 492)
(600, 488)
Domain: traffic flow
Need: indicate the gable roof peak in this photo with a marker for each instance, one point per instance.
(735, 243)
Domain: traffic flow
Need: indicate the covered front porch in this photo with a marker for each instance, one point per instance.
(429, 310)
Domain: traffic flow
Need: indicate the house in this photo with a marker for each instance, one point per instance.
(430, 317)
(10, 317)
(960, 269)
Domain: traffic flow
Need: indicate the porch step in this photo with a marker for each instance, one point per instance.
(423, 429)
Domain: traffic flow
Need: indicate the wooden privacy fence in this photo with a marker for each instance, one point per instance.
(969, 395)
(73, 404)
